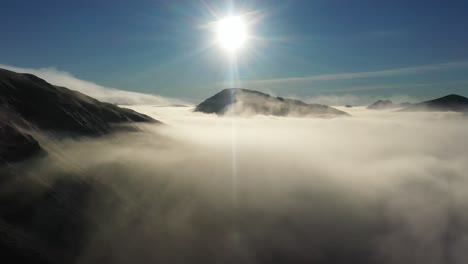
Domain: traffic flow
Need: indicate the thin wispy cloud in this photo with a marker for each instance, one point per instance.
(102, 93)
(363, 75)
(391, 86)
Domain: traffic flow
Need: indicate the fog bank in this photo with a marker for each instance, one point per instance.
(378, 187)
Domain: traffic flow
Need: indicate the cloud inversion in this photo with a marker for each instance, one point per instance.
(380, 187)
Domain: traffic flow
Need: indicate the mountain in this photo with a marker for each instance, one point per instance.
(30, 103)
(386, 104)
(34, 102)
(452, 102)
(254, 102)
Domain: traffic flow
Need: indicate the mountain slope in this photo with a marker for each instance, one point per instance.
(16, 145)
(29, 103)
(58, 109)
(254, 102)
(452, 102)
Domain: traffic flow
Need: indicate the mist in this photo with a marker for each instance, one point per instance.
(102, 93)
(377, 187)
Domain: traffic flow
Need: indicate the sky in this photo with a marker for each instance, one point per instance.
(299, 48)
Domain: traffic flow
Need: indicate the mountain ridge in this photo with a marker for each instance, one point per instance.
(59, 109)
(29, 103)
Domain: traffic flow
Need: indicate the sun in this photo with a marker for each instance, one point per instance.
(232, 33)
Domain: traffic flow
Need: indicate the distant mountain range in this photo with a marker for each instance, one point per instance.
(452, 102)
(386, 104)
(30, 103)
(244, 101)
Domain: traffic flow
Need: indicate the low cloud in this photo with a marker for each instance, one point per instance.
(354, 100)
(378, 187)
(102, 93)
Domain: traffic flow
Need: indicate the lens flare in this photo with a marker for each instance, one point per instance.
(232, 33)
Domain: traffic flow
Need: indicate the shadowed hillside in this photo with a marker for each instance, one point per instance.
(30, 103)
(16, 145)
(40, 104)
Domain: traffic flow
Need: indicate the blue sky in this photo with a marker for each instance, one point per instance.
(302, 48)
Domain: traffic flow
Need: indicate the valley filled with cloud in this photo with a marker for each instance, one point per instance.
(376, 187)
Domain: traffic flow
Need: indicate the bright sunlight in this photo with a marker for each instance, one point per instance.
(232, 33)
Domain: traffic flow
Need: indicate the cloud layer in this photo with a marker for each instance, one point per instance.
(379, 187)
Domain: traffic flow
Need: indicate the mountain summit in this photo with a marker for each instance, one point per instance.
(244, 101)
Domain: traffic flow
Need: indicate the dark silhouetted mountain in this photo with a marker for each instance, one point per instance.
(253, 102)
(452, 102)
(30, 103)
(348, 106)
(58, 109)
(386, 104)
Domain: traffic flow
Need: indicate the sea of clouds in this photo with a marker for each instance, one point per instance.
(377, 187)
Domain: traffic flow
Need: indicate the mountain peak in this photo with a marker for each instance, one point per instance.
(246, 101)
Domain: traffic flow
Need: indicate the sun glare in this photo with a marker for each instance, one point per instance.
(232, 33)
